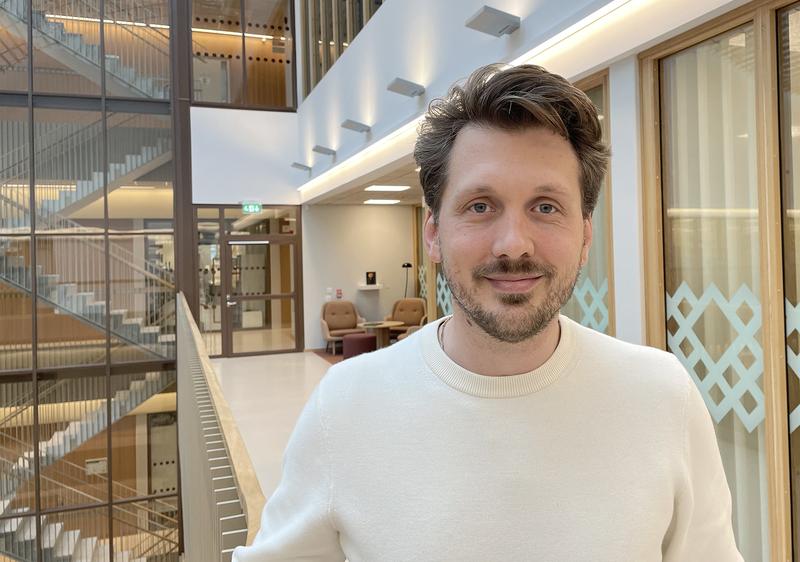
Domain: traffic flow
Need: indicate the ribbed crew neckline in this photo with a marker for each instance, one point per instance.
(507, 386)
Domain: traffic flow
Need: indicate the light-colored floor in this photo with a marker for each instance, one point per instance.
(266, 395)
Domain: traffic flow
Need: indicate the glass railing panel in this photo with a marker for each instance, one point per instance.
(137, 57)
(68, 147)
(15, 178)
(147, 530)
(142, 286)
(145, 440)
(66, 45)
(71, 291)
(16, 331)
(73, 449)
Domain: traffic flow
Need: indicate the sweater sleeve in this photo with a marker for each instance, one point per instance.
(701, 526)
(295, 524)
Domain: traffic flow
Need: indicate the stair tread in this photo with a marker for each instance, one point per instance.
(67, 543)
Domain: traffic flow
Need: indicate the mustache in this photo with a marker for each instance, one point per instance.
(513, 267)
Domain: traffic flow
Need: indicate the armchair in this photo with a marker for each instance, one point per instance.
(411, 312)
(338, 319)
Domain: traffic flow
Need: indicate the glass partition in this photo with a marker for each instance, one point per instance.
(711, 253)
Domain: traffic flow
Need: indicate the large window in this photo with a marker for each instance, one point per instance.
(722, 250)
(88, 441)
(243, 53)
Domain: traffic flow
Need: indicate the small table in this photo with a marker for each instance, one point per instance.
(381, 330)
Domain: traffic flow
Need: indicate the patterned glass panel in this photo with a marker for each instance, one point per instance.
(590, 302)
(789, 84)
(711, 247)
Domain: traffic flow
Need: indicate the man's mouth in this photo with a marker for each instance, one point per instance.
(513, 283)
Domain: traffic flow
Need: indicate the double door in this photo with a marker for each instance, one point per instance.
(248, 290)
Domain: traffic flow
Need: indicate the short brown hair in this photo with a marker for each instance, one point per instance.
(511, 98)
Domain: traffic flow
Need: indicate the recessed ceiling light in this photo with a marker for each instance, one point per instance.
(388, 188)
(381, 202)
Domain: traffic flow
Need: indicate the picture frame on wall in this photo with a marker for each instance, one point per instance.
(372, 279)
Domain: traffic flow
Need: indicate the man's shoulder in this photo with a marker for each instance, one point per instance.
(629, 363)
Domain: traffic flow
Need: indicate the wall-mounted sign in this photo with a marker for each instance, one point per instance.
(97, 466)
(250, 207)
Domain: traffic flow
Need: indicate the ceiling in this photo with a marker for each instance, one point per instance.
(356, 195)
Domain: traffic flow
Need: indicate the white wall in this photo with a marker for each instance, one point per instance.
(244, 155)
(340, 244)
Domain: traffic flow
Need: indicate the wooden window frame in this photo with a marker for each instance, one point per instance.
(763, 15)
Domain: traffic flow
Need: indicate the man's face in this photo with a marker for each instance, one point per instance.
(511, 236)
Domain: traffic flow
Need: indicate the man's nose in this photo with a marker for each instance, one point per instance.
(513, 237)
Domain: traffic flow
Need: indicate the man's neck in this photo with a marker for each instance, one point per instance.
(472, 348)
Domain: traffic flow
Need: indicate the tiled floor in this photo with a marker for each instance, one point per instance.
(266, 395)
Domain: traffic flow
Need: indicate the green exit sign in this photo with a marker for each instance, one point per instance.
(251, 207)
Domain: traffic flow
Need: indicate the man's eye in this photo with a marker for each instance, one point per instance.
(480, 208)
(547, 208)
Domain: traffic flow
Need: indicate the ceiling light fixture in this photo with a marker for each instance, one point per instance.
(301, 166)
(381, 202)
(388, 188)
(493, 21)
(406, 88)
(356, 126)
(319, 149)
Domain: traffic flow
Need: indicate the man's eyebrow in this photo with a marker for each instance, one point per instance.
(543, 189)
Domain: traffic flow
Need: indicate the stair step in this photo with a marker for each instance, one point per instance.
(26, 530)
(85, 550)
(52, 532)
(67, 543)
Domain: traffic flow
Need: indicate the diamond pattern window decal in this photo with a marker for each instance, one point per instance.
(743, 355)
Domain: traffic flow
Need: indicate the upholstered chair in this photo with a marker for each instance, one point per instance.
(411, 312)
(410, 331)
(339, 318)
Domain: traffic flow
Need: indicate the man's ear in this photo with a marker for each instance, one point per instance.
(587, 240)
(430, 232)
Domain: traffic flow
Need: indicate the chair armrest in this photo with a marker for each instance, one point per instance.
(361, 320)
(423, 320)
(326, 333)
(387, 317)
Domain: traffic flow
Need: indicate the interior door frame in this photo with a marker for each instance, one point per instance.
(225, 239)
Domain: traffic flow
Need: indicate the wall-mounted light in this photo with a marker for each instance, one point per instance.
(493, 21)
(381, 202)
(319, 149)
(301, 166)
(406, 88)
(356, 126)
(388, 188)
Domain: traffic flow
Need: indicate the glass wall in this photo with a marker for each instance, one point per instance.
(243, 53)
(711, 256)
(87, 282)
(591, 301)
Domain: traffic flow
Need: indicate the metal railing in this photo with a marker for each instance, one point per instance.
(222, 499)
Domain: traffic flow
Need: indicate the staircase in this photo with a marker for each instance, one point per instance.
(76, 433)
(146, 47)
(155, 335)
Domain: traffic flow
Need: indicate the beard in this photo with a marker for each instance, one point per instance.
(525, 320)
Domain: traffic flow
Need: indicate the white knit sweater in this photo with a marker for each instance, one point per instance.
(604, 453)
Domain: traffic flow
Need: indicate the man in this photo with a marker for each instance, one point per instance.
(504, 432)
